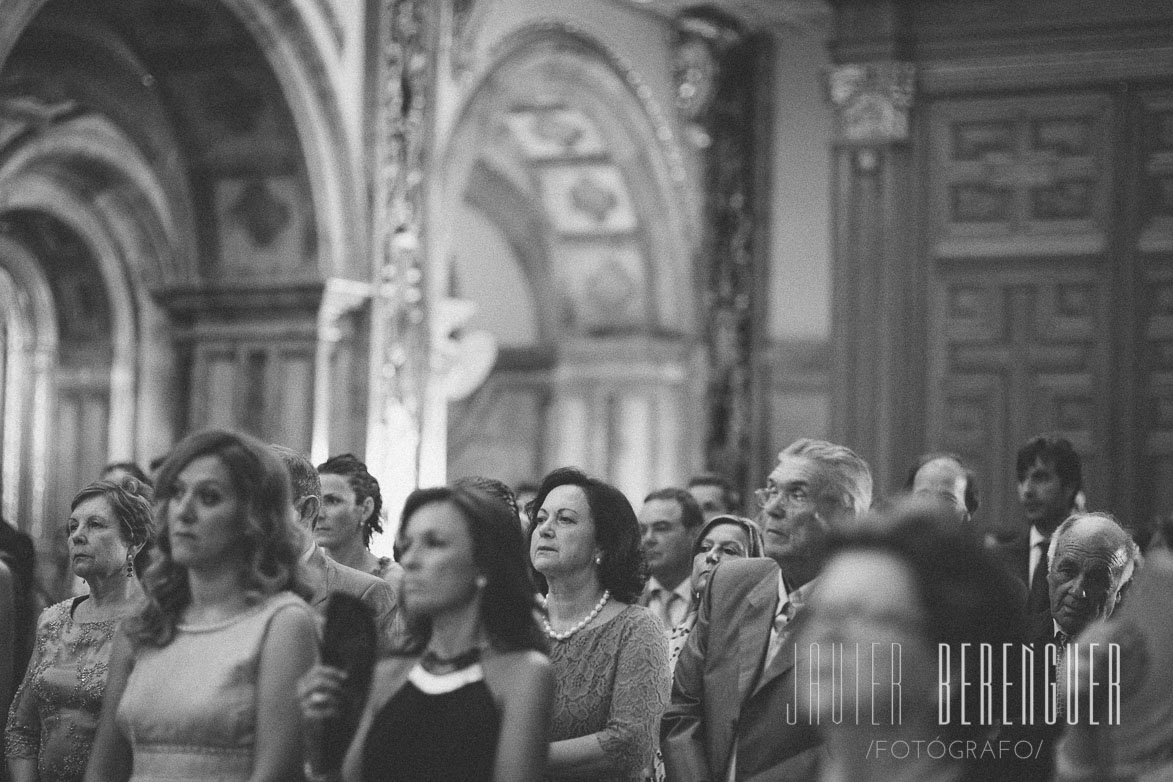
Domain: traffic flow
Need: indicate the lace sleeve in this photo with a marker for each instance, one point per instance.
(640, 695)
(22, 736)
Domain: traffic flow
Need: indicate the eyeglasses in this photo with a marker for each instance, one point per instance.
(794, 497)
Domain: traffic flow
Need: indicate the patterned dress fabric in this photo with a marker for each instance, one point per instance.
(55, 711)
(190, 707)
(613, 679)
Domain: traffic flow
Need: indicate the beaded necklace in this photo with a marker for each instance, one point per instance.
(586, 621)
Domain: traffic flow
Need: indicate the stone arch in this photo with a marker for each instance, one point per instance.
(563, 131)
(301, 43)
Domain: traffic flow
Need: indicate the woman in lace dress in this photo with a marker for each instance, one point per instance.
(470, 699)
(202, 681)
(55, 712)
(610, 656)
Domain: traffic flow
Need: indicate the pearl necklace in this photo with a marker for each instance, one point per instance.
(594, 612)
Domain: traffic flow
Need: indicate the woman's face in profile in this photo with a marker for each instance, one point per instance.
(722, 541)
(96, 546)
(436, 551)
(864, 646)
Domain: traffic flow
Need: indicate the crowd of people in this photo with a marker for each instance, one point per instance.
(236, 626)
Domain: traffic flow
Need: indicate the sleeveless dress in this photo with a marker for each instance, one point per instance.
(190, 708)
(436, 727)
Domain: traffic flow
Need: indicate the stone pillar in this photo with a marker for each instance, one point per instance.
(875, 272)
(336, 360)
(404, 89)
(719, 75)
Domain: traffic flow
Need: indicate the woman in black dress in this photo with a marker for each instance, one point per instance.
(471, 697)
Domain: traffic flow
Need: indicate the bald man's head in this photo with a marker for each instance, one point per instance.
(1091, 561)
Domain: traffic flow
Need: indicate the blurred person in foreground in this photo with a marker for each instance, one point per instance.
(55, 712)
(203, 681)
(471, 695)
(898, 588)
(610, 655)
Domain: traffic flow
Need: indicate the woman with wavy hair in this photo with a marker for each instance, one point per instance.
(470, 697)
(55, 712)
(610, 656)
(202, 681)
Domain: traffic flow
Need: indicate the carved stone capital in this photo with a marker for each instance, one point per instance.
(872, 101)
(700, 41)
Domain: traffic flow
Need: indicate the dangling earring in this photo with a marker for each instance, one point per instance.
(129, 565)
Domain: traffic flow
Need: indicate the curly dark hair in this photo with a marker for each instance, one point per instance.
(363, 484)
(130, 500)
(508, 601)
(270, 541)
(623, 569)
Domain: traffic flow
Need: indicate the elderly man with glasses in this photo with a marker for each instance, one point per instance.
(728, 718)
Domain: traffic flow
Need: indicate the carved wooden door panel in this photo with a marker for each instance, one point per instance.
(1019, 322)
(1154, 303)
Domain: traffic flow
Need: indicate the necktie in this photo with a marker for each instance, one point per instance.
(1039, 601)
(1061, 639)
(778, 630)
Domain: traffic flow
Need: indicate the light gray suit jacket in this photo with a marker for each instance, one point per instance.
(324, 577)
(722, 690)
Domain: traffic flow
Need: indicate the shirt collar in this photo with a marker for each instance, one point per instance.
(798, 596)
(1037, 537)
(684, 588)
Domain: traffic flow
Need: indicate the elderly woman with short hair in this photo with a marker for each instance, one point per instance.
(55, 713)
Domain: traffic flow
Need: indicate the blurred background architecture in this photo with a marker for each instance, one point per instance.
(647, 237)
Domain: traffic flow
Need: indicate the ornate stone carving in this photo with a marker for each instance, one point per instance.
(716, 69)
(701, 41)
(405, 79)
(872, 101)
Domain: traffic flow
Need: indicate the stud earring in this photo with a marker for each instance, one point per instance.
(482, 582)
(599, 560)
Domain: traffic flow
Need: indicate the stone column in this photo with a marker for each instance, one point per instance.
(875, 272)
(404, 89)
(719, 75)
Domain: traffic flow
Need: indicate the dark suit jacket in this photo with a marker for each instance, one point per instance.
(1015, 556)
(324, 576)
(721, 691)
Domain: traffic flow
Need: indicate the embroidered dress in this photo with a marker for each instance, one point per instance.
(613, 678)
(55, 711)
(190, 708)
(436, 727)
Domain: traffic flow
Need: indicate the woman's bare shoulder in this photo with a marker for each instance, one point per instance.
(508, 668)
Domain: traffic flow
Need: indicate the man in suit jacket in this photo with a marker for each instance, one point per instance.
(1049, 476)
(1090, 564)
(322, 575)
(728, 717)
(668, 523)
